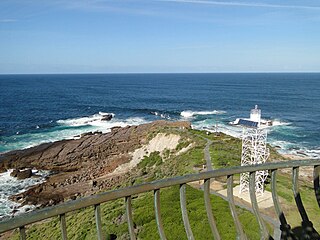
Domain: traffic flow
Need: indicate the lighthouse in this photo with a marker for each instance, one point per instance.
(255, 115)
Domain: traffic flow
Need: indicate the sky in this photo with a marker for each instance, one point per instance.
(159, 36)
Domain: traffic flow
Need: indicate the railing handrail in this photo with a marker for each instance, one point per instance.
(41, 214)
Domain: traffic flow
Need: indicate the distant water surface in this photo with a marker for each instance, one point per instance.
(43, 108)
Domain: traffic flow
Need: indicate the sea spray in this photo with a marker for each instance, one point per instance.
(66, 129)
(11, 186)
(190, 114)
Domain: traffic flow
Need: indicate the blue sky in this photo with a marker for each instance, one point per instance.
(122, 36)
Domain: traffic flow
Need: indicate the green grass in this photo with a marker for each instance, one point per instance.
(284, 190)
(81, 224)
(183, 144)
(154, 159)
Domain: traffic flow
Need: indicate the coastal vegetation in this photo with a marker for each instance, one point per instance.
(225, 151)
(81, 224)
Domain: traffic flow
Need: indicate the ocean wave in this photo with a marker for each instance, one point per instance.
(287, 147)
(105, 113)
(10, 186)
(313, 153)
(190, 114)
(67, 129)
(282, 146)
(212, 125)
(277, 122)
(162, 115)
(83, 121)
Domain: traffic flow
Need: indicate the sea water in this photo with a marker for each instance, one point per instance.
(43, 108)
(35, 109)
(10, 186)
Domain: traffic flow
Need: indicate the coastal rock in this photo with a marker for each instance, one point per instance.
(14, 173)
(107, 117)
(23, 174)
(81, 166)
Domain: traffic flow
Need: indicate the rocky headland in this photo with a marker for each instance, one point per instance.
(94, 162)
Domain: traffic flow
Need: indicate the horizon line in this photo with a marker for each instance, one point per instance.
(128, 73)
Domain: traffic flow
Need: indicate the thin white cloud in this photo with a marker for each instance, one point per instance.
(245, 4)
(7, 20)
(104, 6)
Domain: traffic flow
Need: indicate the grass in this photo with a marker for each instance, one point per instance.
(284, 190)
(154, 159)
(225, 152)
(81, 224)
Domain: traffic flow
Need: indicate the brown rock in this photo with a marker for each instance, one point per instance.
(23, 174)
(106, 117)
(81, 164)
(14, 173)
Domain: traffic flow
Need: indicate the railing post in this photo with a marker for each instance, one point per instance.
(285, 228)
(183, 205)
(316, 183)
(97, 212)
(129, 218)
(297, 197)
(207, 202)
(157, 213)
(22, 231)
(240, 233)
(252, 188)
(63, 226)
(308, 231)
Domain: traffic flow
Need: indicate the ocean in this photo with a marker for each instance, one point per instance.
(43, 108)
(36, 109)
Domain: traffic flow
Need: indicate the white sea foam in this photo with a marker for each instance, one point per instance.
(135, 121)
(277, 122)
(84, 121)
(313, 153)
(212, 125)
(105, 113)
(11, 186)
(190, 114)
(162, 115)
(96, 121)
(284, 147)
(166, 116)
(72, 130)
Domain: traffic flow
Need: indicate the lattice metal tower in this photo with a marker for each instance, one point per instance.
(254, 151)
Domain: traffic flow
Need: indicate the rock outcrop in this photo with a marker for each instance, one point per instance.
(81, 166)
(21, 174)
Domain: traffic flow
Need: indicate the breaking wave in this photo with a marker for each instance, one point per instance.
(161, 115)
(285, 129)
(10, 186)
(277, 122)
(190, 114)
(67, 129)
(83, 121)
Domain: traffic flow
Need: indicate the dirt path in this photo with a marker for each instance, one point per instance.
(207, 156)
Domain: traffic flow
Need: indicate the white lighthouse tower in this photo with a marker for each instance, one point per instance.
(254, 150)
(255, 115)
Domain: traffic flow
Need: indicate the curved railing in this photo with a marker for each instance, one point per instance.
(286, 233)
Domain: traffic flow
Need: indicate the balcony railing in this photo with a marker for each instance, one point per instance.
(19, 222)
